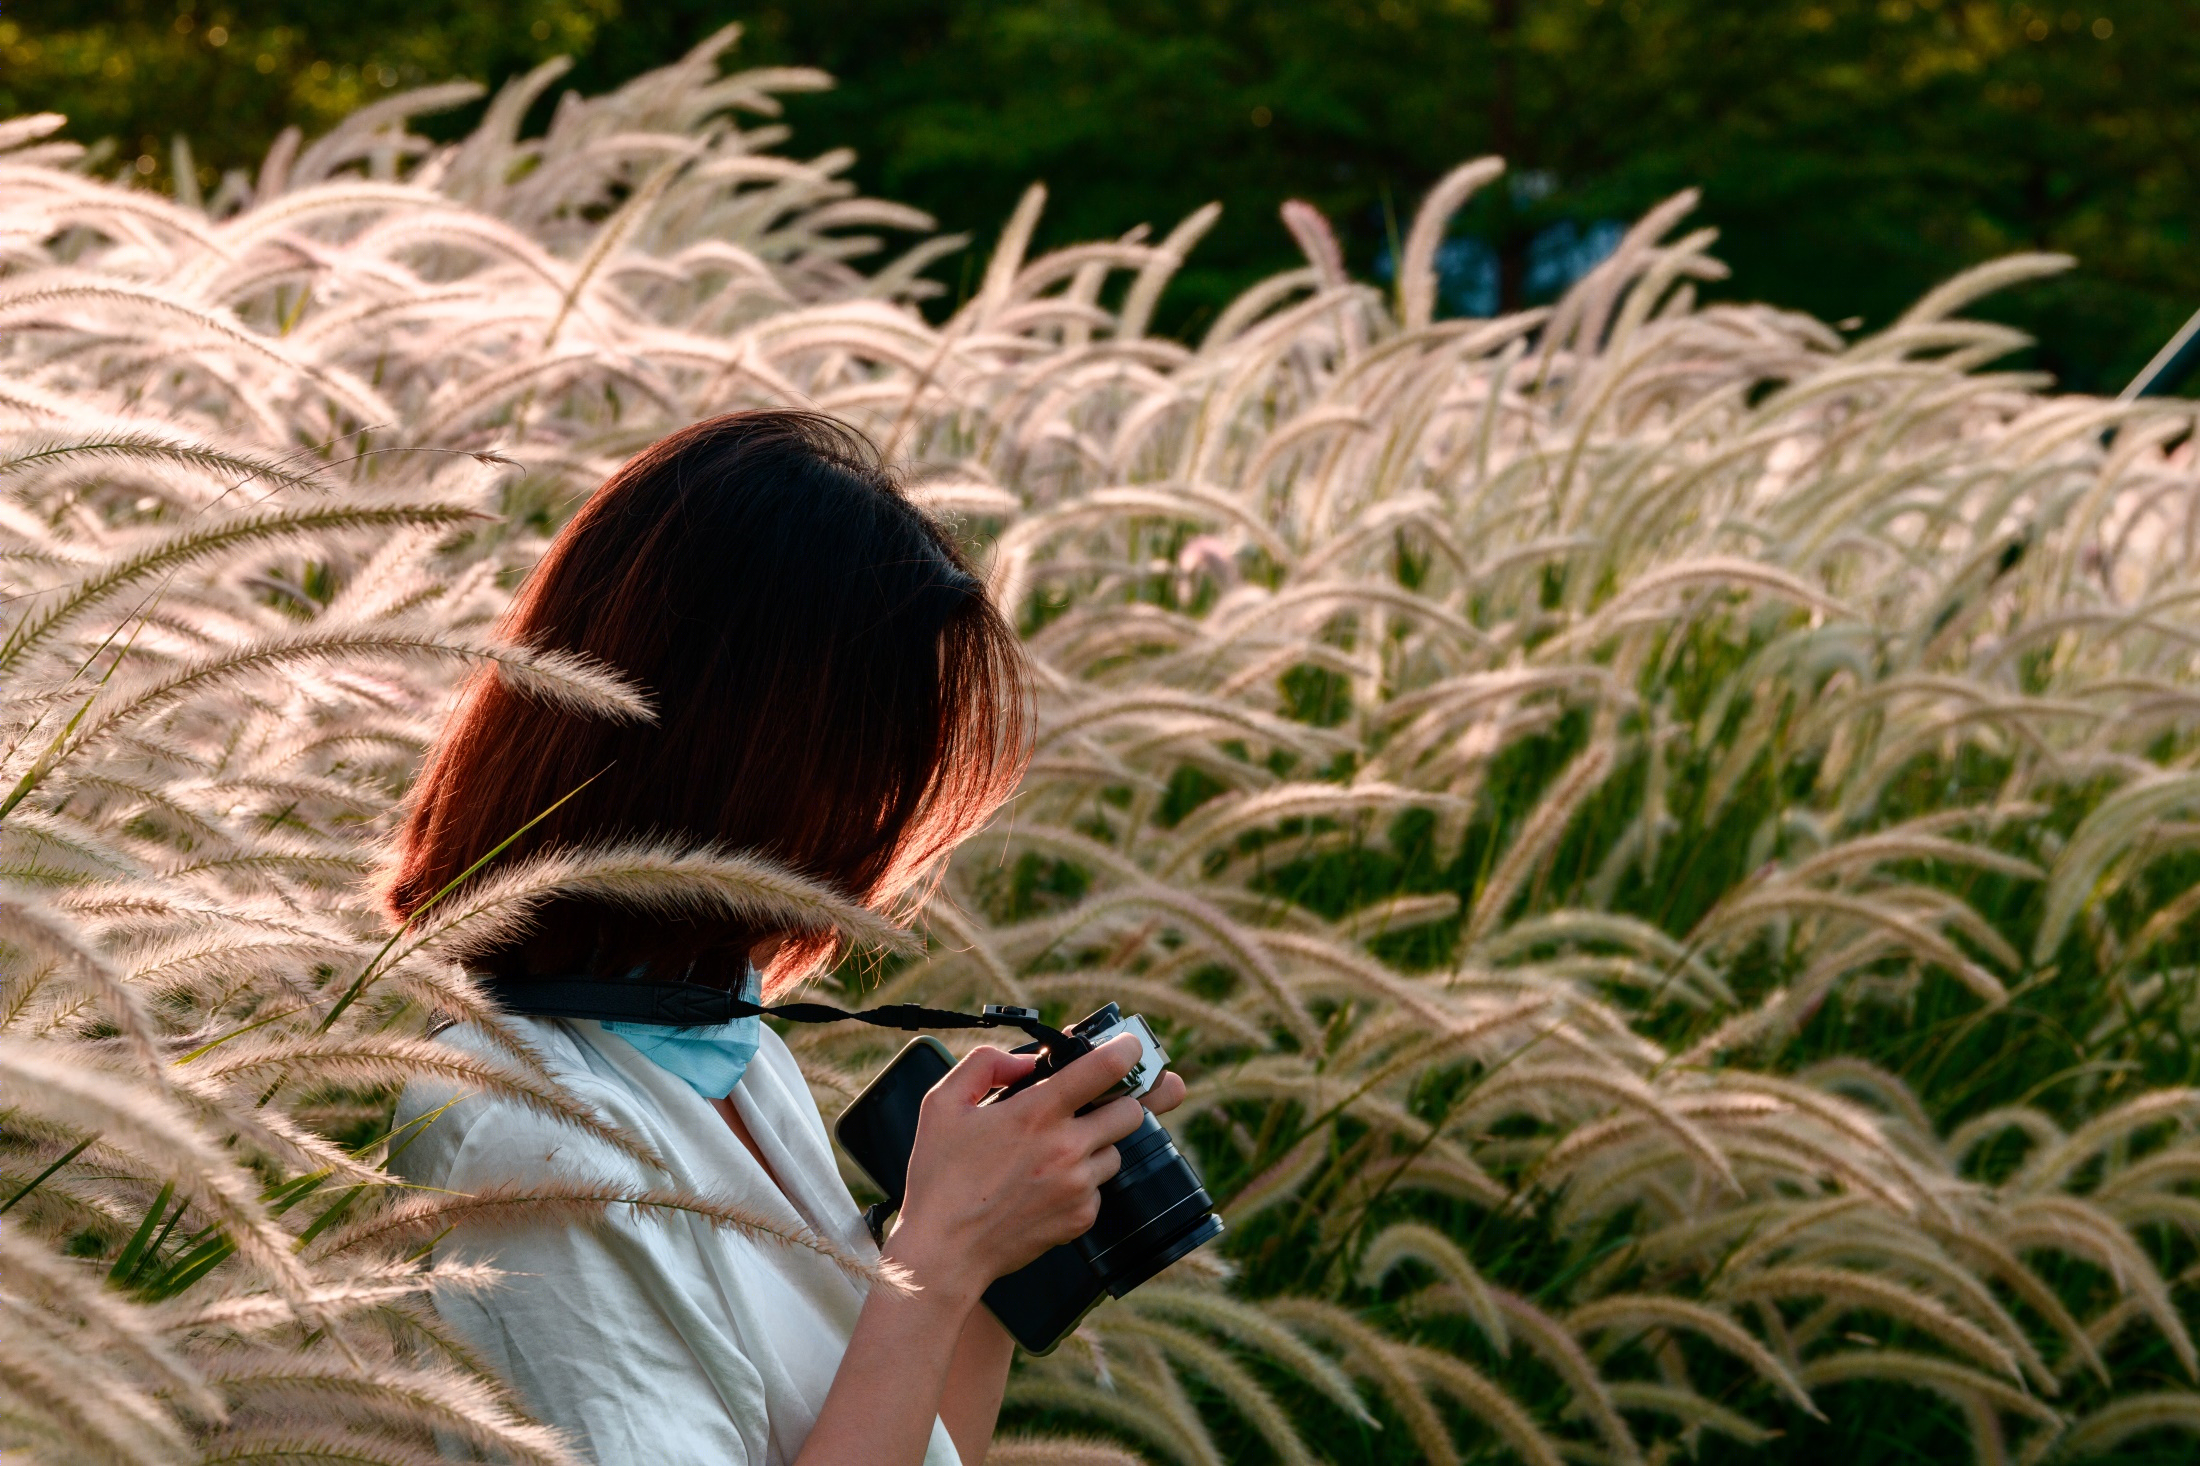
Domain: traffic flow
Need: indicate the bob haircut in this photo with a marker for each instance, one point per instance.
(832, 689)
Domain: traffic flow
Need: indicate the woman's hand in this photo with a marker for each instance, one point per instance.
(990, 1188)
(1167, 1093)
(993, 1186)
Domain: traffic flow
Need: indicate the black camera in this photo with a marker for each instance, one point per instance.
(1152, 1211)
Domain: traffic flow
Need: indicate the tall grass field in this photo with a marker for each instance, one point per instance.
(1665, 837)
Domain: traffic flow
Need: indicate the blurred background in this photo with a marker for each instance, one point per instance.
(1850, 154)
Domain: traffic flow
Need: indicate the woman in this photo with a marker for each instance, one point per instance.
(832, 689)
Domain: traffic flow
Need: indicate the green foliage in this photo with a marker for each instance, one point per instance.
(1851, 154)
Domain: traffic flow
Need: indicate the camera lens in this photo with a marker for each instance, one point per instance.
(1152, 1211)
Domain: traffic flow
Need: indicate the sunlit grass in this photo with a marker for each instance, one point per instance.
(1662, 837)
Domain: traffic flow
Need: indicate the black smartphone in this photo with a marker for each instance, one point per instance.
(879, 1128)
(1039, 1303)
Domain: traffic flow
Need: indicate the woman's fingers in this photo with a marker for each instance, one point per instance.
(982, 1071)
(1085, 1080)
(1112, 1122)
(1166, 1095)
(1102, 1165)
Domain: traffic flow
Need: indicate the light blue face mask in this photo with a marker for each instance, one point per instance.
(711, 1059)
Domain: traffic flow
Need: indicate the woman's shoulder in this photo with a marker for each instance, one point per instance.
(459, 1122)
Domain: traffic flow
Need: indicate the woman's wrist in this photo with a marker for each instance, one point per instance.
(940, 1270)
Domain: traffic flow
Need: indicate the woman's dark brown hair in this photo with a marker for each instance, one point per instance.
(832, 689)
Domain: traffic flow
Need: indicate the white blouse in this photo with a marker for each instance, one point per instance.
(657, 1340)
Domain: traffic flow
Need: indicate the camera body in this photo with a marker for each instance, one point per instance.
(1090, 1032)
(1152, 1211)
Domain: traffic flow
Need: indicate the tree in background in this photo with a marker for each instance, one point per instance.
(1850, 154)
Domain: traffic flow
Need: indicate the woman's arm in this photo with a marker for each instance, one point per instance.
(976, 1380)
(990, 1188)
(892, 1380)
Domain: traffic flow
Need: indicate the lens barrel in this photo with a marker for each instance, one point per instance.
(1152, 1211)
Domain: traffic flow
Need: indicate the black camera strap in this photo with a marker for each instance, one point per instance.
(692, 1005)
